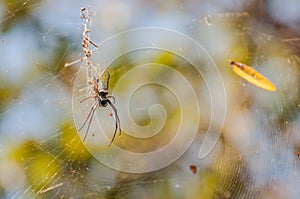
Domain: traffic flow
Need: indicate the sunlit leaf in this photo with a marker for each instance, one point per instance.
(251, 75)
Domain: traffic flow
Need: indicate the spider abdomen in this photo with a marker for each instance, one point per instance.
(103, 103)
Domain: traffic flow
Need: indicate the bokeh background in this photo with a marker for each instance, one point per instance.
(41, 154)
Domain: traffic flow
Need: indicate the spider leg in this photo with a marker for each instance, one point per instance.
(107, 82)
(112, 97)
(92, 96)
(91, 119)
(116, 115)
(87, 118)
(117, 122)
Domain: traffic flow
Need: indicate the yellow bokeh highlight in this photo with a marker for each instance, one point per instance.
(72, 144)
(41, 167)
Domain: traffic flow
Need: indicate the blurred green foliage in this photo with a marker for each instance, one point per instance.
(17, 11)
(64, 158)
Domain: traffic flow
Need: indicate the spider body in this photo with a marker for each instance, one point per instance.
(101, 97)
(102, 93)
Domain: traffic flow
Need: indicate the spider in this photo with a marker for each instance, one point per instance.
(100, 90)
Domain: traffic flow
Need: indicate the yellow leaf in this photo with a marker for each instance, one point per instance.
(252, 76)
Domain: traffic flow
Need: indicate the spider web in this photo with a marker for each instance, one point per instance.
(41, 152)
